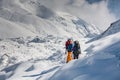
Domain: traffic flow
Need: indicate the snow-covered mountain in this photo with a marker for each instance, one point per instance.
(114, 28)
(32, 39)
(103, 61)
(31, 31)
(19, 18)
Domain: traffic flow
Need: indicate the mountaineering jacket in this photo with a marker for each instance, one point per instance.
(76, 49)
(70, 47)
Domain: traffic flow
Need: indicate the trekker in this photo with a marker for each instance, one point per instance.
(76, 49)
(69, 47)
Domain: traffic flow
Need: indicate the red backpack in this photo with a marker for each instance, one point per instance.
(67, 43)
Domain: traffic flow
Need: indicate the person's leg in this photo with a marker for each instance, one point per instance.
(77, 56)
(74, 55)
(69, 57)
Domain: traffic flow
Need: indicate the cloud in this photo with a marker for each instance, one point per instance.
(95, 13)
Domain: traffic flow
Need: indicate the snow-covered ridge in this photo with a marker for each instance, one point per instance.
(36, 19)
(20, 19)
(114, 28)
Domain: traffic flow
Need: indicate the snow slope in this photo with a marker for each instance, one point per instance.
(47, 62)
(31, 31)
(32, 58)
(10, 29)
(43, 56)
(103, 62)
(32, 45)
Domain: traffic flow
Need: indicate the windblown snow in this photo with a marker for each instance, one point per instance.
(32, 40)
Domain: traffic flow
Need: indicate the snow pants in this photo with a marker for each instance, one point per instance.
(69, 57)
(76, 54)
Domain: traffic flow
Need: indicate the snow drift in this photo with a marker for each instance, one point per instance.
(103, 62)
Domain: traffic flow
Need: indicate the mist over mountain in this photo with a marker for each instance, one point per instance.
(35, 18)
(86, 9)
(113, 6)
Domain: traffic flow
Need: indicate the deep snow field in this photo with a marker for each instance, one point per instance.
(33, 59)
(44, 59)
